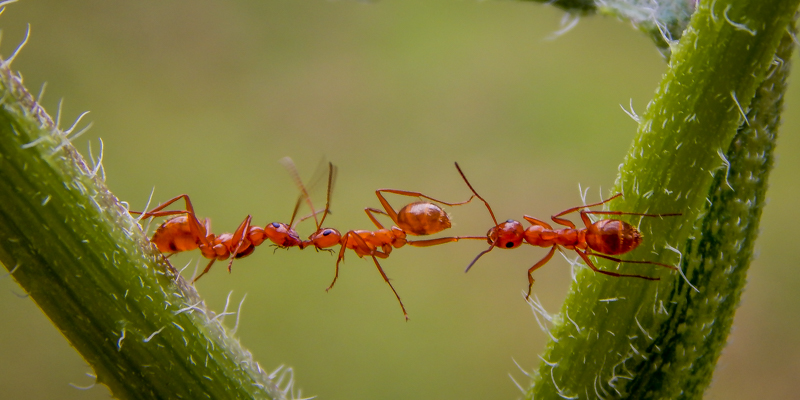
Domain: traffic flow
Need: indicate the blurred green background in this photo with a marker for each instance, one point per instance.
(204, 98)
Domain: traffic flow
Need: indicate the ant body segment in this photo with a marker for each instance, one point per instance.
(184, 232)
(604, 238)
(416, 219)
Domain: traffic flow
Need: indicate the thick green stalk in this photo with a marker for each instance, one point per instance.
(624, 337)
(82, 258)
(718, 257)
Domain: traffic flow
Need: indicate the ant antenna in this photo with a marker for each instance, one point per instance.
(493, 245)
(479, 256)
(331, 180)
(289, 165)
(476, 194)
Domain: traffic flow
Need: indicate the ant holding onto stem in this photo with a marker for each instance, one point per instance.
(604, 238)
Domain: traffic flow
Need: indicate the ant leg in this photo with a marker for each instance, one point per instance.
(591, 253)
(208, 267)
(573, 209)
(345, 238)
(438, 241)
(386, 278)
(588, 222)
(185, 197)
(568, 223)
(632, 213)
(374, 220)
(239, 237)
(390, 211)
(361, 248)
(538, 222)
(564, 222)
(156, 214)
(195, 226)
(416, 194)
(536, 266)
(588, 262)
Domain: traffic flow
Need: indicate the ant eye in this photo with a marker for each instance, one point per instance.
(511, 221)
(327, 232)
(509, 245)
(276, 225)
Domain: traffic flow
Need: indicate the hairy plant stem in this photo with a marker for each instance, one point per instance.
(629, 338)
(86, 263)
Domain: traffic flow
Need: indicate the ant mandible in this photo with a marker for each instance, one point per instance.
(285, 234)
(603, 238)
(416, 219)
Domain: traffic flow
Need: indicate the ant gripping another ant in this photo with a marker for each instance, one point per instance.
(604, 238)
(184, 232)
(417, 219)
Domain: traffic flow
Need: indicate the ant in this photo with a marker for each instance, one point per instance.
(185, 232)
(603, 238)
(416, 219)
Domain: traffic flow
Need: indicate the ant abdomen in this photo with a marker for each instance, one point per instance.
(422, 218)
(175, 235)
(613, 237)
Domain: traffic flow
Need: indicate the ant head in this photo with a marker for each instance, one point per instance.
(282, 235)
(323, 238)
(508, 235)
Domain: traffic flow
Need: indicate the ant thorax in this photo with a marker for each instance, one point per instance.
(282, 235)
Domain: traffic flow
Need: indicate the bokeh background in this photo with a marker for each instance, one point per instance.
(204, 97)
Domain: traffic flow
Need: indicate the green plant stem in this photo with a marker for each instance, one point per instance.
(86, 263)
(623, 337)
(718, 258)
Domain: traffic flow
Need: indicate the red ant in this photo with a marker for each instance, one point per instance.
(417, 219)
(608, 236)
(186, 233)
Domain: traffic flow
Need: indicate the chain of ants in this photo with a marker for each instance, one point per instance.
(606, 238)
